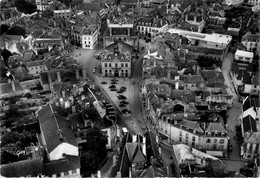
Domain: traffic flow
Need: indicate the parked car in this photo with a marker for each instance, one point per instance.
(125, 111)
(113, 82)
(121, 97)
(121, 105)
(113, 89)
(112, 86)
(104, 82)
(123, 88)
(124, 102)
(120, 91)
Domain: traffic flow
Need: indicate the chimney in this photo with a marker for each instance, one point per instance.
(77, 73)
(144, 145)
(13, 86)
(63, 94)
(154, 63)
(134, 138)
(84, 72)
(177, 85)
(58, 77)
(114, 160)
(168, 74)
(99, 174)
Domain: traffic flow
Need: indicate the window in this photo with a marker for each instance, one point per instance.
(208, 140)
(215, 140)
(180, 139)
(187, 135)
(109, 64)
(221, 141)
(180, 133)
(126, 65)
(116, 65)
(105, 64)
(193, 138)
(122, 64)
(74, 171)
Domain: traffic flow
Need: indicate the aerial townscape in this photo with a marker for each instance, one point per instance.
(130, 88)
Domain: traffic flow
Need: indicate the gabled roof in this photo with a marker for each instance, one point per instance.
(131, 148)
(183, 94)
(91, 6)
(122, 57)
(191, 125)
(152, 148)
(52, 121)
(64, 165)
(31, 167)
(249, 124)
(139, 156)
(216, 127)
(191, 79)
(34, 63)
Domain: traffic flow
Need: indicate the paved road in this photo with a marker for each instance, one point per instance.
(226, 66)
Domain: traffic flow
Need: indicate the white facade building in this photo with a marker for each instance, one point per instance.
(216, 41)
(42, 4)
(234, 2)
(244, 56)
(36, 67)
(152, 26)
(254, 2)
(65, 14)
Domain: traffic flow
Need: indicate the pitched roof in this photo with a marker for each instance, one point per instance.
(64, 165)
(254, 138)
(191, 79)
(249, 124)
(139, 156)
(152, 149)
(91, 6)
(34, 63)
(191, 125)
(52, 120)
(7, 87)
(122, 57)
(31, 167)
(216, 127)
(131, 148)
(181, 94)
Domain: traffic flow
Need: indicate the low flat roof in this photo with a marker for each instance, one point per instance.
(244, 53)
(214, 37)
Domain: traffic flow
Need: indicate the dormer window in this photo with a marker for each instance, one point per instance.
(209, 133)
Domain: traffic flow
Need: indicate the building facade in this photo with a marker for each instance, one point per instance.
(64, 14)
(116, 64)
(244, 56)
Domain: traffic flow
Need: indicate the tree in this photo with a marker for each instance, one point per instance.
(4, 28)
(93, 151)
(6, 54)
(16, 30)
(25, 6)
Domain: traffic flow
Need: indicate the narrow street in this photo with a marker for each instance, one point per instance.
(234, 162)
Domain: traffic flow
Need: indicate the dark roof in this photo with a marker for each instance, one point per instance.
(152, 148)
(63, 165)
(191, 79)
(245, 76)
(31, 167)
(247, 104)
(129, 1)
(91, 6)
(183, 94)
(216, 127)
(113, 56)
(191, 125)
(52, 120)
(249, 124)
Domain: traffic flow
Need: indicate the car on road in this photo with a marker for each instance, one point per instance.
(112, 86)
(113, 82)
(113, 89)
(121, 97)
(104, 82)
(124, 102)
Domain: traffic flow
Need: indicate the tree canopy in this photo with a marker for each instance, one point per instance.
(16, 30)
(4, 28)
(93, 151)
(25, 6)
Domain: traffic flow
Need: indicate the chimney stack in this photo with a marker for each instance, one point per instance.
(144, 145)
(168, 74)
(13, 86)
(177, 85)
(134, 138)
(58, 77)
(77, 74)
(84, 72)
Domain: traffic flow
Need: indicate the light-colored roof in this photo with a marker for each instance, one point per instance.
(214, 37)
(244, 53)
(216, 127)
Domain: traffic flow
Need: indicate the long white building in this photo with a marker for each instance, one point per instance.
(214, 40)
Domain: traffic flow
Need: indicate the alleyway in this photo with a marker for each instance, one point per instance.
(234, 162)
